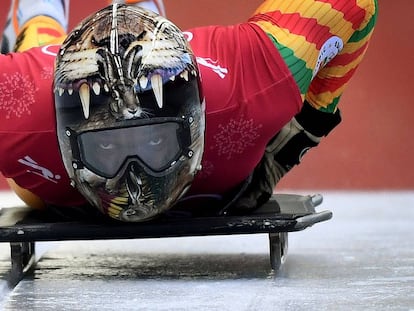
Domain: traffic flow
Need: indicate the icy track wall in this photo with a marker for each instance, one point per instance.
(372, 149)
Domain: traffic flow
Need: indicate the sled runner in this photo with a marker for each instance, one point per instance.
(282, 214)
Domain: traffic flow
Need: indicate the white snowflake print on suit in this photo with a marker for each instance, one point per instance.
(47, 73)
(17, 95)
(235, 137)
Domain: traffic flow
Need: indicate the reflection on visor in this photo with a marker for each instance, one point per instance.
(156, 145)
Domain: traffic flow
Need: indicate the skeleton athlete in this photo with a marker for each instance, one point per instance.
(138, 114)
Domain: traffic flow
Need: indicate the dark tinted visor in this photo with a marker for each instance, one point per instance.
(155, 145)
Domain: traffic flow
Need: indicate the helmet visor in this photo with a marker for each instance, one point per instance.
(157, 146)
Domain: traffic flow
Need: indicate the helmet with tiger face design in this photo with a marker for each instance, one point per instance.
(130, 112)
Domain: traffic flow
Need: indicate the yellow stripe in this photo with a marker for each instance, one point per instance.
(351, 47)
(369, 7)
(323, 100)
(322, 12)
(340, 71)
(302, 48)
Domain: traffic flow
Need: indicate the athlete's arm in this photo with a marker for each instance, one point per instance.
(330, 82)
(25, 86)
(322, 42)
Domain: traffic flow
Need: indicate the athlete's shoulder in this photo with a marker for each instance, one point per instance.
(28, 60)
(26, 97)
(199, 35)
(47, 51)
(222, 38)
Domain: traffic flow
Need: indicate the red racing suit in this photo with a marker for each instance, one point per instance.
(255, 76)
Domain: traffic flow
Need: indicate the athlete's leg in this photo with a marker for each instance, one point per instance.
(153, 5)
(33, 23)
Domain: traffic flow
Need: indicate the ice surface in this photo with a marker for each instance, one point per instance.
(362, 259)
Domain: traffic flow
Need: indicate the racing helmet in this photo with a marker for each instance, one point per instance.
(129, 111)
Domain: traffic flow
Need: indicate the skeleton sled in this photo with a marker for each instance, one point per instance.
(283, 213)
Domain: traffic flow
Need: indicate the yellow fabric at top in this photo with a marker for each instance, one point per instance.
(322, 12)
(39, 31)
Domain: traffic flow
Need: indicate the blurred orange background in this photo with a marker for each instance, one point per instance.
(373, 148)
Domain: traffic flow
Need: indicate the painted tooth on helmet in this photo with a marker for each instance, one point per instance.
(106, 88)
(156, 82)
(96, 88)
(60, 91)
(70, 91)
(143, 82)
(84, 94)
(172, 78)
(114, 212)
(184, 75)
(115, 208)
(120, 200)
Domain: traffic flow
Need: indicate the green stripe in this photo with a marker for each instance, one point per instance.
(359, 35)
(297, 66)
(331, 108)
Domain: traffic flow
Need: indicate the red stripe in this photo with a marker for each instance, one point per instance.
(330, 84)
(352, 12)
(48, 31)
(346, 59)
(303, 26)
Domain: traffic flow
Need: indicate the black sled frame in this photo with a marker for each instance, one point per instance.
(282, 214)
